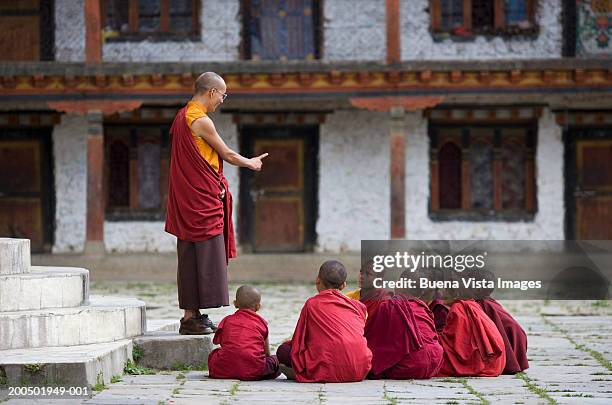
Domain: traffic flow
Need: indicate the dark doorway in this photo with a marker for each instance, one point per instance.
(278, 205)
(26, 186)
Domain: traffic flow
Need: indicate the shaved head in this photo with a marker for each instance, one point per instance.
(248, 297)
(332, 274)
(207, 81)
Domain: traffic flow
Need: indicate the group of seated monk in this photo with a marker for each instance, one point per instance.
(372, 333)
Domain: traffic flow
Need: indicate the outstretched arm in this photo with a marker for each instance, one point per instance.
(205, 129)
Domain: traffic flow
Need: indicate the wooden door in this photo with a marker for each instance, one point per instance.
(27, 30)
(280, 199)
(25, 201)
(593, 189)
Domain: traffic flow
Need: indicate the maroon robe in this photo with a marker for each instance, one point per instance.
(403, 340)
(515, 339)
(373, 300)
(328, 343)
(440, 311)
(195, 210)
(242, 355)
(472, 344)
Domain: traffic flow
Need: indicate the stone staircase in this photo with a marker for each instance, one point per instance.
(52, 332)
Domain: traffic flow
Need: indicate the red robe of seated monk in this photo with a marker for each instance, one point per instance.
(472, 344)
(515, 339)
(242, 355)
(403, 340)
(373, 299)
(328, 344)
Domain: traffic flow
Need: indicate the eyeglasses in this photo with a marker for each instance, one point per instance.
(223, 95)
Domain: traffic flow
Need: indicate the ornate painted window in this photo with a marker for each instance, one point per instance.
(137, 160)
(150, 19)
(281, 29)
(467, 18)
(482, 171)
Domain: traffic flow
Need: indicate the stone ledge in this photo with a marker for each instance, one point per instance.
(169, 350)
(106, 319)
(67, 366)
(44, 287)
(14, 256)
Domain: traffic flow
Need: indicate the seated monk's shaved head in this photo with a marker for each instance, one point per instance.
(207, 81)
(247, 297)
(332, 274)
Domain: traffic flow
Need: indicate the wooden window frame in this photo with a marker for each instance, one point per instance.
(164, 33)
(466, 213)
(500, 28)
(245, 41)
(132, 212)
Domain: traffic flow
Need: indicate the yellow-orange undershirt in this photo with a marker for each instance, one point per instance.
(354, 295)
(195, 111)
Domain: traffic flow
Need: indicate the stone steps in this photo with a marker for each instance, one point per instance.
(74, 366)
(169, 350)
(105, 319)
(44, 287)
(14, 256)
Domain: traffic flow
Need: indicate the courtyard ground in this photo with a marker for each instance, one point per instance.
(570, 354)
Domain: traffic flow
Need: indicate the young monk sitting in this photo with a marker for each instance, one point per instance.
(328, 343)
(403, 338)
(244, 353)
(472, 344)
(367, 293)
(515, 338)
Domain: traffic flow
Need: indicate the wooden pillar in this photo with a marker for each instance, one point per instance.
(95, 174)
(393, 31)
(93, 28)
(397, 142)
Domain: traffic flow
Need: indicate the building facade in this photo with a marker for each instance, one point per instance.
(416, 119)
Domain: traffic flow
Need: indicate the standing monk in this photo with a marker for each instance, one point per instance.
(199, 210)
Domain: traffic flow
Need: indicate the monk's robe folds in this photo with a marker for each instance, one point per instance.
(515, 338)
(472, 344)
(328, 344)
(440, 311)
(242, 354)
(403, 340)
(373, 299)
(196, 212)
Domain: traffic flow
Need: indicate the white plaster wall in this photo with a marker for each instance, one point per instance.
(353, 180)
(220, 40)
(548, 222)
(137, 236)
(354, 30)
(229, 132)
(418, 44)
(70, 171)
(69, 31)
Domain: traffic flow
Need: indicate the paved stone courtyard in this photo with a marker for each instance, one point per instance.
(570, 353)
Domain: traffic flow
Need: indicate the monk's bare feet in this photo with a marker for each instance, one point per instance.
(288, 371)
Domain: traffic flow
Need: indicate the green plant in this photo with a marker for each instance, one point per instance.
(137, 352)
(115, 379)
(99, 383)
(33, 368)
(541, 392)
(133, 369)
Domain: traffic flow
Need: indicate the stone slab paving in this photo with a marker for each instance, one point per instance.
(570, 346)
